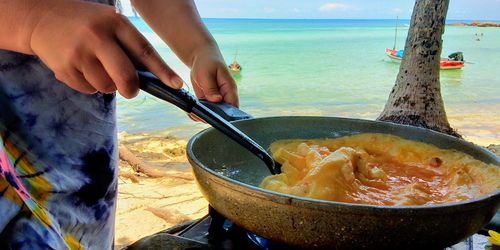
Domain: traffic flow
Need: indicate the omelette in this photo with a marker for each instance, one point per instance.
(379, 169)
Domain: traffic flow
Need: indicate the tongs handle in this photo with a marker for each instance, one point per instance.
(190, 104)
(154, 86)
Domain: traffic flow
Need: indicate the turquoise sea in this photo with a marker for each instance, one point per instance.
(322, 67)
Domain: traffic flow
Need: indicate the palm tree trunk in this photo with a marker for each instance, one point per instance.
(416, 96)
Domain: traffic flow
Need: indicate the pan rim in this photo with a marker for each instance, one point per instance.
(297, 199)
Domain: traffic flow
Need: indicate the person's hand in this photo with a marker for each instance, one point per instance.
(90, 47)
(210, 76)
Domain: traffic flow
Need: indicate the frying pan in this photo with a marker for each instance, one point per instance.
(228, 176)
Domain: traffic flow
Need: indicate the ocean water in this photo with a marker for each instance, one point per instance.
(322, 67)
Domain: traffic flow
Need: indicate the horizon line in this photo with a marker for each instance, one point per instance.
(407, 19)
(262, 18)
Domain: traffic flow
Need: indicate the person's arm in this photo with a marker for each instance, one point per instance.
(90, 47)
(15, 31)
(178, 23)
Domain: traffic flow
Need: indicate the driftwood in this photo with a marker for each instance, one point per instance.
(140, 167)
(169, 216)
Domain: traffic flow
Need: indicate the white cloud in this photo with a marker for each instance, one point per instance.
(334, 6)
(396, 10)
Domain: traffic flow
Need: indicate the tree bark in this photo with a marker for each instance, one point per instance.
(416, 96)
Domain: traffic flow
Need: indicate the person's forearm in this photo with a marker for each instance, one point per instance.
(178, 23)
(17, 20)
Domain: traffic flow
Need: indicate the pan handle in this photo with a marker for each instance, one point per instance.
(180, 98)
(226, 111)
(190, 104)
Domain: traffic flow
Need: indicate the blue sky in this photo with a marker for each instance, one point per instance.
(352, 9)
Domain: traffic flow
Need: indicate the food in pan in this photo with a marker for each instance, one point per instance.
(379, 169)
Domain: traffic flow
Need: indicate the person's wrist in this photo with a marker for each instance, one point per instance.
(38, 10)
(210, 47)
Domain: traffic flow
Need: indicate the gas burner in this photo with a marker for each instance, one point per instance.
(214, 231)
(227, 235)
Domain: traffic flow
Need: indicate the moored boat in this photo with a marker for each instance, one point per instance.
(234, 67)
(454, 61)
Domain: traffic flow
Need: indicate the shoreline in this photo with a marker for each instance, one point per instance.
(475, 24)
(477, 122)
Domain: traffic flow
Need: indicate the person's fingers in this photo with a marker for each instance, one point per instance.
(227, 86)
(199, 93)
(75, 79)
(95, 74)
(121, 70)
(141, 50)
(208, 84)
(197, 88)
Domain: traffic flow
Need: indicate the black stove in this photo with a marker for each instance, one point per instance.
(216, 232)
(213, 231)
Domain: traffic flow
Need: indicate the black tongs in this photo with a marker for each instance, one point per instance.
(207, 111)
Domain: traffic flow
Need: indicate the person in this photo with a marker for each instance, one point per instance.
(61, 62)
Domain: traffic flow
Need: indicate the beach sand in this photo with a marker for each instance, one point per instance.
(148, 205)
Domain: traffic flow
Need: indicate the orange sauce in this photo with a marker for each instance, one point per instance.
(379, 169)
